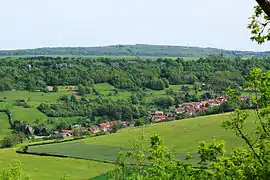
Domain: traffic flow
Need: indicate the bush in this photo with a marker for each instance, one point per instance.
(11, 140)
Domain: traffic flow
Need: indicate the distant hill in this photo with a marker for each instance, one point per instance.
(133, 50)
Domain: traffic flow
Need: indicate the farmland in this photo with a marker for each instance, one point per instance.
(105, 148)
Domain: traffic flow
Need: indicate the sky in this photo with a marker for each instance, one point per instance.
(71, 23)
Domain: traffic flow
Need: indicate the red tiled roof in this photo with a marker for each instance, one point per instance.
(66, 131)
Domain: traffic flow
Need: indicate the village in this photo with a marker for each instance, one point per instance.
(187, 108)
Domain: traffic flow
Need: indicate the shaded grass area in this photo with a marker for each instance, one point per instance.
(4, 125)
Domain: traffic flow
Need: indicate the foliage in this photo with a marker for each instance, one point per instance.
(259, 25)
(140, 122)
(115, 127)
(164, 101)
(82, 89)
(12, 139)
(250, 163)
(14, 171)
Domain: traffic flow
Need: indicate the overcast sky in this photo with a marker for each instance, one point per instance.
(51, 23)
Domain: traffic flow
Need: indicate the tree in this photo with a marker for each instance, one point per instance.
(260, 20)
(55, 89)
(10, 140)
(166, 82)
(265, 5)
(164, 101)
(134, 99)
(81, 89)
(78, 132)
(242, 163)
(115, 127)
(14, 171)
(139, 122)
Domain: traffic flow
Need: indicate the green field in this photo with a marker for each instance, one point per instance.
(4, 125)
(29, 115)
(44, 168)
(34, 99)
(180, 136)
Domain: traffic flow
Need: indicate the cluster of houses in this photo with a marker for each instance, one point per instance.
(203, 105)
(96, 129)
(191, 108)
(187, 108)
(155, 117)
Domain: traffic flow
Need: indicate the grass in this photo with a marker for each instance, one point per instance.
(180, 136)
(4, 125)
(29, 115)
(43, 168)
(66, 88)
(33, 98)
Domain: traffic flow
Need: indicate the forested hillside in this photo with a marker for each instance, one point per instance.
(213, 73)
(134, 50)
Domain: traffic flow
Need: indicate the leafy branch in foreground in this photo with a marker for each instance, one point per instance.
(259, 24)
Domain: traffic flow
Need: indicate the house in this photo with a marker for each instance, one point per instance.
(244, 98)
(64, 133)
(179, 111)
(50, 88)
(132, 124)
(159, 118)
(158, 113)
(29, 129)
(106, 126)
(196, 107)
(94, 129)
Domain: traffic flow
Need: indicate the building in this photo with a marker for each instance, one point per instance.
(29, 129)
(94, 129)
(64, 133)
(158, 113)
(158, 118)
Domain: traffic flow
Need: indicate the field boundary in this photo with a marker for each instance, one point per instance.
(63, 156)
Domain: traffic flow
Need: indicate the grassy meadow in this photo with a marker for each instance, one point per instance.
(44, 168)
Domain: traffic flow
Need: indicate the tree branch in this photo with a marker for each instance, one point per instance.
(247, 140)
(265, 5)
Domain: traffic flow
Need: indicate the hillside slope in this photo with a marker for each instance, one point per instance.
(133, 50)
(180, 136)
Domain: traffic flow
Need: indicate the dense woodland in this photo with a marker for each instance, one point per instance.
(134, 50)
(214, 73)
